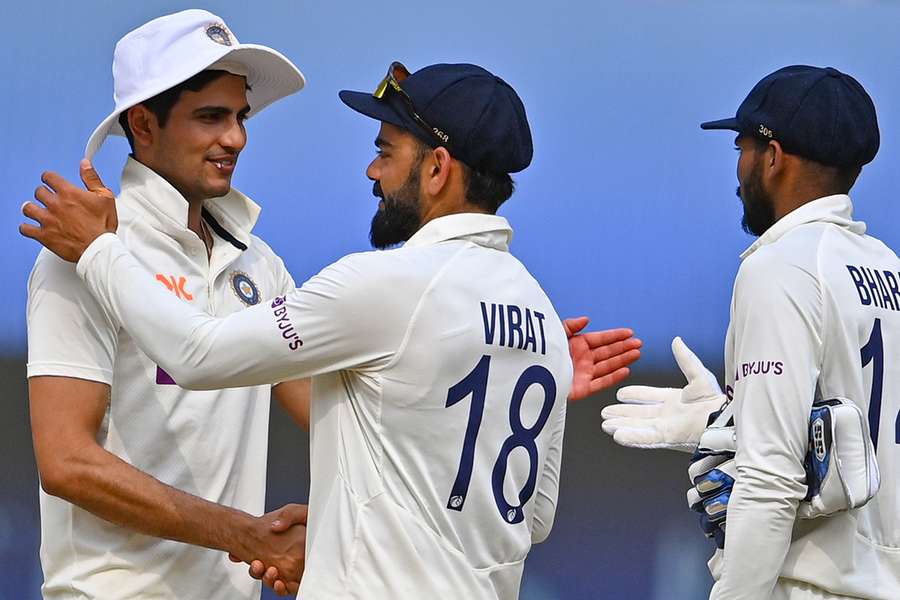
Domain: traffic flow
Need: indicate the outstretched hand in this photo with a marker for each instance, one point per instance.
(667, 418)
(600, 359)
(70, 218)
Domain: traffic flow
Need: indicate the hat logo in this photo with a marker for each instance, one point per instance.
(218, 34)
(765, 131)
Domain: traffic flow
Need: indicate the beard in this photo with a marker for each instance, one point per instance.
(398, 219)
(759, 208)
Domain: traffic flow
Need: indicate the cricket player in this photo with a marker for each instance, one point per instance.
(441, 368)
(814, 316)
(131, 464)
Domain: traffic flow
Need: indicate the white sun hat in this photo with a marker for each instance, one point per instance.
(171, 49)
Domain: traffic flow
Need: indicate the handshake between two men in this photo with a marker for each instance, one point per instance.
(70, 218)
(275, 548)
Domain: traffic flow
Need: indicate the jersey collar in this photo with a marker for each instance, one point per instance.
(232, 216)
(836, 209)
(491, 231)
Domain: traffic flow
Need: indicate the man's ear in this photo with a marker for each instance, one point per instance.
(143, 125)
(774, 155)
(437, 171)
(774, 160)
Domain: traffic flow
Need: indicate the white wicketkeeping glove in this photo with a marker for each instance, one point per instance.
(668, 418)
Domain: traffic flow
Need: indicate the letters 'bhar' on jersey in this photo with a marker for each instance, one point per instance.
(815, 315)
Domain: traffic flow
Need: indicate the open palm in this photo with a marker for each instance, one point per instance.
(600, 359)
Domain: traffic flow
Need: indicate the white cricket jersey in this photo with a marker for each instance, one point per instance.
(814, 316)
(211, 444)
(442, 372)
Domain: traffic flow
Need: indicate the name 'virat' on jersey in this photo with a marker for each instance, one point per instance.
(450, 450)
(440, 378)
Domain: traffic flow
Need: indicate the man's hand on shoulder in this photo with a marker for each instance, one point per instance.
(600, 359)
(70, 218)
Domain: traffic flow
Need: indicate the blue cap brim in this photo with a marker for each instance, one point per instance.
(731, 124)
(380, 110)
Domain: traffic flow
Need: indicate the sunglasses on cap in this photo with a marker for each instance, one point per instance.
(396, 74)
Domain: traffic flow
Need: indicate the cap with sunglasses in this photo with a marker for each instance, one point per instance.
(814, 112)
(476, 115)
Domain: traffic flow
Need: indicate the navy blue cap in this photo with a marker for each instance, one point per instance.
(481, 115)
(817, 113)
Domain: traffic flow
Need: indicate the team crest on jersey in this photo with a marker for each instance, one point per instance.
(244, 288)
(218, 34)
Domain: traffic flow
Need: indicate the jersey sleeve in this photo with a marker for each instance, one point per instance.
(286, 282)
(283, 281)
(777, 318)
(346, 317)
(548, 487)
(69, 332)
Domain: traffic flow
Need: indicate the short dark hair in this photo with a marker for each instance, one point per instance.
(161, 104)
(485, 190)
(830, 178)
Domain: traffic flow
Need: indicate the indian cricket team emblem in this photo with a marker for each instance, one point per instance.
(218, 34)
(244, 288)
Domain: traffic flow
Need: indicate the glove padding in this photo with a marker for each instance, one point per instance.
(710, 496)
(712, 474)
(841, 470)
(668, 418)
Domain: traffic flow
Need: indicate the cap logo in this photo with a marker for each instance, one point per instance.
(219, 34)
(765, 131)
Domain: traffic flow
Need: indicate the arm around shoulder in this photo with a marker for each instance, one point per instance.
(333, 322)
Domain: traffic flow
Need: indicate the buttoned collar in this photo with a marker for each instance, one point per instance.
(155, 199)
(836, 209)
(491, 231)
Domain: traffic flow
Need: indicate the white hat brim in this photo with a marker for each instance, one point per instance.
(270, 75)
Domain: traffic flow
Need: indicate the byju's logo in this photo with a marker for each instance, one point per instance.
(283, 321)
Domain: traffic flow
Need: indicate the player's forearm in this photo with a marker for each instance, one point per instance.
(761, 515)
(294, 398)
(548, 489)
(199, 351)
(116, 491)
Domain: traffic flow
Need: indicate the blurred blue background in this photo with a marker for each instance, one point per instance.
(627, 214)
